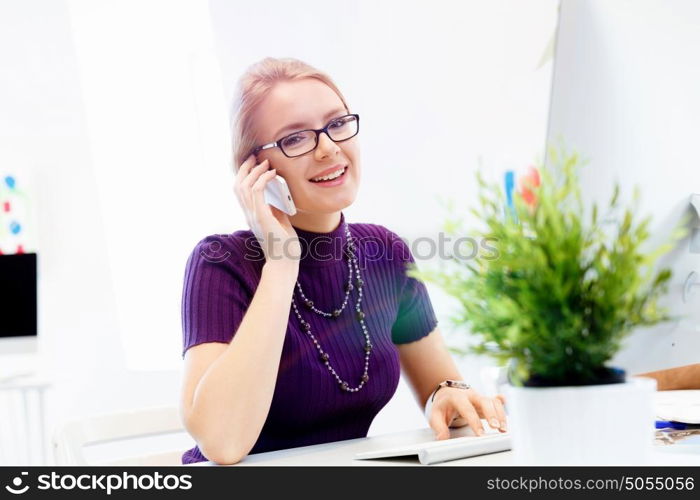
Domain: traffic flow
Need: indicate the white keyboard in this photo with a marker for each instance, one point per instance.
(433, 452)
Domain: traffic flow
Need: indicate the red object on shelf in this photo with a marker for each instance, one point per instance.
(20, 250)
(527, 183)
(6, 206)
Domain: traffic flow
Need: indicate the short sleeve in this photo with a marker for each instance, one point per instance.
(214, 294)
(415, 318)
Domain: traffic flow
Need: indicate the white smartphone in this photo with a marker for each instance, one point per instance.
(277, 194)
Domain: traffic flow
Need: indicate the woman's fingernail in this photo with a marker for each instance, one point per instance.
(494, 423)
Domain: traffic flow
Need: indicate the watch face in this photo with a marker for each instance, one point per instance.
(457, 384)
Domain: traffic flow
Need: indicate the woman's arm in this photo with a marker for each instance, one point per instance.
(427, 362)
(227, 388)
(682, 377)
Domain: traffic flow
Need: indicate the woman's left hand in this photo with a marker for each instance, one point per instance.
(454, 407)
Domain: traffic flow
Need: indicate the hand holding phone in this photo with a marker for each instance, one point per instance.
(267, 204)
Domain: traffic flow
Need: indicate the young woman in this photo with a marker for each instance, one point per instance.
(296, 331)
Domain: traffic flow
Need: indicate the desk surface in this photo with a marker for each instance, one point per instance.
(341, 453)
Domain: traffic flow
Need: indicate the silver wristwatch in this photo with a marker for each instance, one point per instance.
(457, 384)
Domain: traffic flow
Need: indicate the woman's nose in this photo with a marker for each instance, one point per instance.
(325, 146)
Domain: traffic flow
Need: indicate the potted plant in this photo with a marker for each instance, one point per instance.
(554, 302)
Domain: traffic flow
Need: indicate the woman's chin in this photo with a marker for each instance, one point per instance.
(331, 202)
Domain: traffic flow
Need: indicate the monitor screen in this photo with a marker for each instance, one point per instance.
(18, 311)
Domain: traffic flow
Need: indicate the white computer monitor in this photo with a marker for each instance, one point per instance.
(625, 94)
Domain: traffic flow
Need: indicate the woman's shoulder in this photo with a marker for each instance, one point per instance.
(235, 249)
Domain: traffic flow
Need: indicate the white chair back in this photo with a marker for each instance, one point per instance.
(70, 440)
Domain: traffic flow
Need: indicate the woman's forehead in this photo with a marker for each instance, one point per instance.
(301, 101)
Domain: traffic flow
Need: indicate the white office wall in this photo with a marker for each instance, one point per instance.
(44, 136)
(438, 84)
(625, 94)
(157, 130)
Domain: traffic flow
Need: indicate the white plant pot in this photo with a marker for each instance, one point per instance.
(611, 424)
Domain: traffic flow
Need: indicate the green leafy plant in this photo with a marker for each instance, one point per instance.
(565, 286)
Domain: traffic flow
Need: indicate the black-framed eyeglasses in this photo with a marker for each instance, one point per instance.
(304, 141)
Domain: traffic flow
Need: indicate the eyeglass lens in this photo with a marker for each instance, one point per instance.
(302, 142)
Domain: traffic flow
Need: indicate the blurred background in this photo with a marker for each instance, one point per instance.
(115, 161)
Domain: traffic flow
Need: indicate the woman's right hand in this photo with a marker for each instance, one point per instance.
(270, 225)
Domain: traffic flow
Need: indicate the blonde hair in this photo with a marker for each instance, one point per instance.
(253, 86)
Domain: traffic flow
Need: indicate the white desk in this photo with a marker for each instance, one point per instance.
(341, 453)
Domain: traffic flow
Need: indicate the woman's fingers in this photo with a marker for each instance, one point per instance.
(438, 422)
(247, 175)
(254, 174)
(501, 412)
(245, 167)
(245, 183)
(242, 173)
(488, 411)
(467, 411)
(261, 210)
(493, 410)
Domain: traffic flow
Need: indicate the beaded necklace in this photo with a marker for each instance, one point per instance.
(309, 304)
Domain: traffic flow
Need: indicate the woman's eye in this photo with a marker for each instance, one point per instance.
(293, 140)
(337, 123)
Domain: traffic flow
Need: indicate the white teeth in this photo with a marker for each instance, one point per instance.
(330, 176)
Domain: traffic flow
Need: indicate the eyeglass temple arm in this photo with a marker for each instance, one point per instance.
(265, 146)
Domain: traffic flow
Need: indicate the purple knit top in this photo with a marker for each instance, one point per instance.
(308, 406)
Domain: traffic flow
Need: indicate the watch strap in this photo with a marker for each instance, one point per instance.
(456, 384)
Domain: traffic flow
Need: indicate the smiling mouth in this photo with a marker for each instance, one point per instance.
(330, 177)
